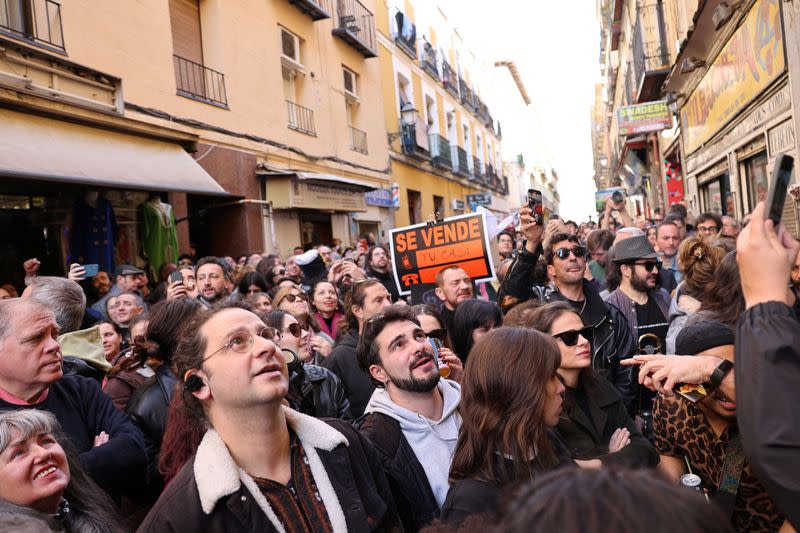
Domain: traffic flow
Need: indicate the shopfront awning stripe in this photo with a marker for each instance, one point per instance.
(35, 147)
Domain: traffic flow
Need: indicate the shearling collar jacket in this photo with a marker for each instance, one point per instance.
(211, 493)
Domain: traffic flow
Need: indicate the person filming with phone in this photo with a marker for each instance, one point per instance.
(566, 263)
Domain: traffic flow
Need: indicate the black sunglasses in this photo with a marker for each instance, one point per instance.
(294, 328)
(578, 251)
(440, 334)
(570, 338)
(291, 298)
(649, 265)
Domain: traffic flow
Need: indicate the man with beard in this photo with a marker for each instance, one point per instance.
(212, 274)
(668, 238)
(379, 267)
(705, 434)
(453, 286)
(412, 417)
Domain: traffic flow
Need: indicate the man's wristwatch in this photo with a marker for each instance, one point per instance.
(719, 373)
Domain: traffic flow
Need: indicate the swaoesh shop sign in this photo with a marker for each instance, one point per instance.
(419, 252)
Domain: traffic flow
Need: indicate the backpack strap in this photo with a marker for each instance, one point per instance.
(732, 467)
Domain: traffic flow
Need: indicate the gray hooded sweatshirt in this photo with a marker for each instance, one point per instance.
(433, 441)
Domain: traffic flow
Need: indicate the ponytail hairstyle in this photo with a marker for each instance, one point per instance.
(698, 259)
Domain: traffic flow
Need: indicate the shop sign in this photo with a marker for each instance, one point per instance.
(643, 118)
(308, 195)
(775, 105)
(379, 197)
(750, 61)
(781, 138)
(483, 198)
(420, 251)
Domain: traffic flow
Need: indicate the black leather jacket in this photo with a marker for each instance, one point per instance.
(318, 392)
(612, 339)
(148, 408)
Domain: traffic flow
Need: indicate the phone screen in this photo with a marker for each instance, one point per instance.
(781, 177)
(535, 205)
(176, 276)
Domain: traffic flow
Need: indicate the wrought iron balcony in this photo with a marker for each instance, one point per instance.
(466, 94)
(427, 59)
(316, 9)
(406, 37)
(463, 166)
(440, 151)
(477, 170)
(199, 82)
(37, 21)
(449, 79)
(415, 140)
(651, 63)
(300, 118)
(356, 26)
(358, 140)
(489, 177)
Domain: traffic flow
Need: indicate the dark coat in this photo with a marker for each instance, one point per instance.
(471, 496)
(343, 362)
(319, 393)
(412, 493)
(212, 494)
(767, 377)
(611, 336)
(588, 439)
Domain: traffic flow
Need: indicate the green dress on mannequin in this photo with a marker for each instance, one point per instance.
(159, 237)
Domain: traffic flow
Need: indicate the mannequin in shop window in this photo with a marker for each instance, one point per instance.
(93, 232)
(159, 237)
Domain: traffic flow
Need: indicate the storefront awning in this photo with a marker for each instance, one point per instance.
(34, 147)
(265, 170)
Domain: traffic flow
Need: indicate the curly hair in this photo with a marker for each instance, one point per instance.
(723, 299)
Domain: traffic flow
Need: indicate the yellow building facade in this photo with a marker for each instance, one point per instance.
(262, 119)
(444, 145)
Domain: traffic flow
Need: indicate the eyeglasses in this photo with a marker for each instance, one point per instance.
(242, 341)
(708, 230)
(578, 252)
(294, 328)
(280, 272)
(440, 334)
(291, 298)
(570, 338)
(650, 265)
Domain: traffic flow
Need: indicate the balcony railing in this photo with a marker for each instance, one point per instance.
(477, 168)
(316, 9)
(199, 82)
(415, 140)
(358, 140)
(427, 59)
(449, 79)
(463, 166)
(651, 63)
(440, 151)
(489, 177)
(466, 94)
(300, 118)
(38, 21)
(356, 26)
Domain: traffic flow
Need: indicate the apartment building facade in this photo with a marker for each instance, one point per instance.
(444, 144)
(258, 121)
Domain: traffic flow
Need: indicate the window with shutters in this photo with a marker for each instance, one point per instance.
(193, 78)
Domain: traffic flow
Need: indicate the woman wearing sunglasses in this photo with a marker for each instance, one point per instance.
(295, 301)
(594, 425)
(313, 390)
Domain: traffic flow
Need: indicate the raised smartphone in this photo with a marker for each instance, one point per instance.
(535, 205)
(781, 177)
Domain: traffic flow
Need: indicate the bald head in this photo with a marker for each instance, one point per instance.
(16, 310)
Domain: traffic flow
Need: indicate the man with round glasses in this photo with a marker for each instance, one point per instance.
(566, 263)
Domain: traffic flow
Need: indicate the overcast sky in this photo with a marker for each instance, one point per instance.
(555, 45)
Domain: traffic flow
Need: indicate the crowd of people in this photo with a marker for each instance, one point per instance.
(591, 387)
